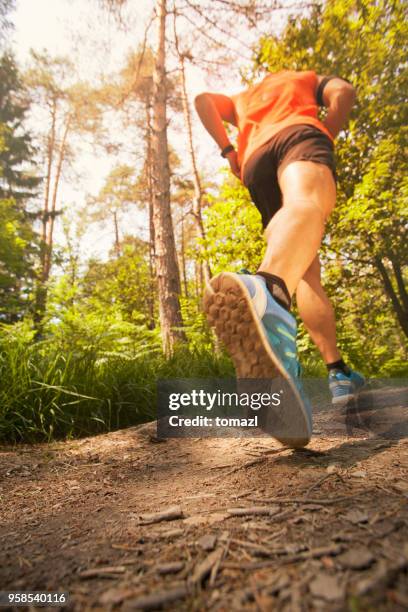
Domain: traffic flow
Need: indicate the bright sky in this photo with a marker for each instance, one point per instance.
(91, 38)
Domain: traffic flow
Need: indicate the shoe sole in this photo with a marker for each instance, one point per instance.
(229, 310)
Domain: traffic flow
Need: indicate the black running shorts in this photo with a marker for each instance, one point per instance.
(294, 143)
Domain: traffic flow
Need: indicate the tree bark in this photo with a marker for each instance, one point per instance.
(167, 272)
(116, 227)
(400, 282)
(198, 191)
(49, 214)
(402, 315)
(183, 258)
(53, 211)
(149, 181)
(41, 290)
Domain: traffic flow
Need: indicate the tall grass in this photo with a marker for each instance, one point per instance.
(94, 373)
(49, 390)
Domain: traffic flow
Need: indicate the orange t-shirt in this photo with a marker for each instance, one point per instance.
(282, 99)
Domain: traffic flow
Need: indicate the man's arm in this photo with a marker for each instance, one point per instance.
(213, 109)
(339, 96)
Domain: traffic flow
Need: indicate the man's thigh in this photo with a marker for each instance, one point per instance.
(308, 182)
(313, 273)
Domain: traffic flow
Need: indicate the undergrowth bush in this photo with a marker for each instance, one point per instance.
(65, 387)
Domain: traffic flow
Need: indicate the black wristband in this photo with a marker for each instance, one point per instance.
(227, 150)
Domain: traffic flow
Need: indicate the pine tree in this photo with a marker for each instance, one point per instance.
(18, 242)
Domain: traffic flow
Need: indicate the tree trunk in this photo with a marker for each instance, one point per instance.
(149, 181)
(197, 276)
(116, 226)
(183, 258)
(167, 272)
(41, 290)
(402, 315)
(198, 191)
(53, 211)
(400, 283)
(49, 214)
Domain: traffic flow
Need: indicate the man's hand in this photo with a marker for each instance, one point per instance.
(233, 162)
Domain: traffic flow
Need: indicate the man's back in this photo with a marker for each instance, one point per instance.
(280, 100)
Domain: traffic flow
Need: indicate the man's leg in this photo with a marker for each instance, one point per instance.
(295, 233)
(317, 313)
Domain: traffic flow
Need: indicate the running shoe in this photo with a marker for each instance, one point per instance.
(345, 387)
(260, 336)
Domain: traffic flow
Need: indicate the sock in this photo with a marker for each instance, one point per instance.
(339, 365)
(277, 288)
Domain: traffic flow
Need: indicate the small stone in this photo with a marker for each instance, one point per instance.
(356, 516)
(359, 474)
(357, 558)
(326, 587)
(332, 468)
(207, 542)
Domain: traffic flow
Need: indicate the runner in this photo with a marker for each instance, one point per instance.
(285, 158)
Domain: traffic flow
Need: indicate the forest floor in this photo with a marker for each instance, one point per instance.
(250, 525)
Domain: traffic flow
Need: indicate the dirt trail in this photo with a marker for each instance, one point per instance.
(324, 528)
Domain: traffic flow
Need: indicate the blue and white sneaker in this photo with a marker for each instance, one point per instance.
(260, 336)
(345, 387)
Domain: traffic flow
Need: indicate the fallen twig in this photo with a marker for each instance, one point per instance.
(257, 549)
(278, 517)
(216, 566)
(259, 600)
(302, 500)
(217, 467)
(321, 481)
(258, 510)
(103, 572)
(203, 568)
(157, 599)
(314, 553)
(173, 567)
(170, 514)
(246, 465)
